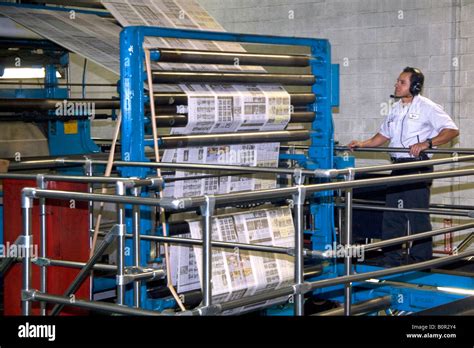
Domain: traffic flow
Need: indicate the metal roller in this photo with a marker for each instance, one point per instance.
(182, 120)
(175, 141)
(41, 117)
(182, 98)
(175, 120)
(167, 102)
(219, 77)
(215, 57)
(180, 110)
(16, 105)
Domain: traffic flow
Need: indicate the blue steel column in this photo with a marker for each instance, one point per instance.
(322, 142)
(132, 137)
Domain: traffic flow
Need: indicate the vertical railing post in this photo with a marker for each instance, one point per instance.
(136, 246)
(298, 204)
(207, 212)
(88, 171)
(41, 183)
(120, 190)
(347, 244)
(26, 206)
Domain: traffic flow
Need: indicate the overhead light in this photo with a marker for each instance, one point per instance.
(457, 290)
(25, 73)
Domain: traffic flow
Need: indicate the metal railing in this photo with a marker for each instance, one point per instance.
(207, 204)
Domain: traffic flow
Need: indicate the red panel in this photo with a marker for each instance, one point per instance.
(67, 239)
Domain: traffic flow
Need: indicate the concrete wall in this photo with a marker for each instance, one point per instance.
(373, 40)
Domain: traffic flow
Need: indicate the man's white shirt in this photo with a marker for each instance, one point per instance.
(413, 123)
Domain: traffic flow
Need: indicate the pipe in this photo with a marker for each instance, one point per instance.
(432, 205)
(120, 190)
(390, 271)
(41, 183)
(412, 237)
(217, 244)
(60, 161)
(364, 307)
(348, 242)
(177, 77)
(232, 58)
(91, 305)
(27, 205)
(174, 141)
(29, 104)
(208, 210)
(464, 244)
(24, 104)
(96, 197)
(182, 99)
(299, 201)
(177, 120)
(136, 247)
(73, 264)
(6, 264)
(415, 210)
(406, 150)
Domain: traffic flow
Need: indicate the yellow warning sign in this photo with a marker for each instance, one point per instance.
(70, 127)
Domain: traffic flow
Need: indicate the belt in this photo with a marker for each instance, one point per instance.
(409, 159)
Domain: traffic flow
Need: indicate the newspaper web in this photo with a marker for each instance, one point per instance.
(239, 273)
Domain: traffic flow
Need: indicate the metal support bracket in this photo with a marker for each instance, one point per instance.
(88, 169)
(350, 176)
(40, 181)
(300, 197)
(132, 273)
(41, 261)
(173, 204)
(208, 208)
(28, 295)
(157, 183)
(298, 176)
(301, 289)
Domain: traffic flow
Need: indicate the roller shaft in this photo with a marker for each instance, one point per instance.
(166, 101)
(173, 141)
(231, 58)
(219, 77)
(182, 120)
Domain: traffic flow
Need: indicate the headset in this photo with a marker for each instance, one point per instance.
(417, 79)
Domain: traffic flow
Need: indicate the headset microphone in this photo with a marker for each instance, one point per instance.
(399, 96)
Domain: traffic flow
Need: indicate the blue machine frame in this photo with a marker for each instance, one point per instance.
(326, 90)
(60, 140)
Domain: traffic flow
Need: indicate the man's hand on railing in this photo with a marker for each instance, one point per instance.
(418, 148)
(354, 144)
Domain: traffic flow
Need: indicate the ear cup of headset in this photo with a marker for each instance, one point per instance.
(415, 88)
(416, 81)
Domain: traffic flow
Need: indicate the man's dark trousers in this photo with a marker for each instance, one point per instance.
(403, 195)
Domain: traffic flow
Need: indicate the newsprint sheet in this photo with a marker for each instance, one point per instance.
(238, 273)
(90, 36)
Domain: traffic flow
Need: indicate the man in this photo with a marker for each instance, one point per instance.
(417, 123)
